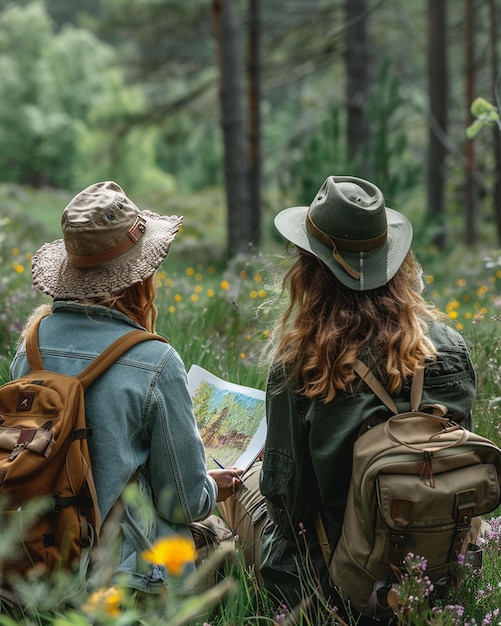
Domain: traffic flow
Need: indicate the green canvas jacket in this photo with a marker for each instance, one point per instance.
(308, 456)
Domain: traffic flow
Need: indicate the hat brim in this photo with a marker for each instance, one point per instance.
(55, 276)
(376, 267)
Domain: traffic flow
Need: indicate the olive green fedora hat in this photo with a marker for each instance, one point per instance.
(349, 228)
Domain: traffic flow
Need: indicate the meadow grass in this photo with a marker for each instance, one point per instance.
(220, 317)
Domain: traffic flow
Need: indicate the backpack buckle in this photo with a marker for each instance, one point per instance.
(25, 437)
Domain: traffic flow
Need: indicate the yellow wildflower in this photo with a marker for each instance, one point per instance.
(104, 601)
(190, 271)
(210, 293)
(172, 552)
(178, 297)
(172, 309)
(225, 285)
(194, 297)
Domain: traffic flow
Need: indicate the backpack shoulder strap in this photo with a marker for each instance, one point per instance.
(100, 364)
(323, 540)
(32, 350)
(416, 386)
(113, 352)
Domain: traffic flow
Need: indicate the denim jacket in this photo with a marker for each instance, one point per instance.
(308, 455)
(141, 416)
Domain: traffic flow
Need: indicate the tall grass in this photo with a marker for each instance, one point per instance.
(219, 320)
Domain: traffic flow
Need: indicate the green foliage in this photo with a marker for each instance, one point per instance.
(411, 598)
(128, 157)
(65, 114)
(24, 35)
(60, 598)
(48, 82)
(479, 591)
(81, 71)
(393, 169)
(17, 234)
(191, 153)
(485, 113)
(323, 155)
(31, 126)
(169, 53)
(325, 152)
(250, 604)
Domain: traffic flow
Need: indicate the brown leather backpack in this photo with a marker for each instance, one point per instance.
(50, 508)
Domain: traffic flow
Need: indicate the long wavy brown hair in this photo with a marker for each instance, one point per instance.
(327, 326)
(136, 302)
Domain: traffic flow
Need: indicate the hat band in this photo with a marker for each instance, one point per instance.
(136, 231)
(347, 245)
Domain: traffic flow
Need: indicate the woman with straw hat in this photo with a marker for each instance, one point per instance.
(100, 276)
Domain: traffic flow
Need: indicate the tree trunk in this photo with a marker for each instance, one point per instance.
(438, 98)
(358, 80)
(496, 133)
(254, 112)
(236, 173)
(470, 188)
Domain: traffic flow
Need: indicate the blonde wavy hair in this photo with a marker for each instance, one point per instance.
(327, 326)
(136, 302)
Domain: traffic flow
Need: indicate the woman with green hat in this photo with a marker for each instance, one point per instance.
(355, 292)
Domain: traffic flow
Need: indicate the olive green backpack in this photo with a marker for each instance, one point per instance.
(418, 481)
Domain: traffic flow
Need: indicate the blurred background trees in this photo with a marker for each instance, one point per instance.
(262, 99)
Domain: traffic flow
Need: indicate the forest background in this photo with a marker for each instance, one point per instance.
(227, 111)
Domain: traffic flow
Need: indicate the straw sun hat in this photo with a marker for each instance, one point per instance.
(349, 228)
(108, 245)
